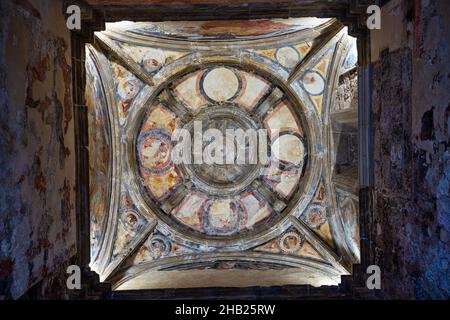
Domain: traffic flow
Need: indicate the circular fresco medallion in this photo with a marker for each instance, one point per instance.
(315, 216)
(288, 57)
(220, 84)
(231, 175)
(153, 59)
(288, 148)
(158, 246)
(222, 216)
(290, 242)
(155, 148)
(128, 88)
(313, 83)
(130, 220)
(244, 155)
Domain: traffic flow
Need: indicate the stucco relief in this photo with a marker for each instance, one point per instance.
(165, 215)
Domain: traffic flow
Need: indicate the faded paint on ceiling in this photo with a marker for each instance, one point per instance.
(217, 30)
(150, 214)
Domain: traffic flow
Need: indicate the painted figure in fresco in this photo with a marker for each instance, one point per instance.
(221, 216)
(132, 220)
(290, 242)
(158, 246)
(316, 216)
(127, 90)
(155, 151)
(153, 60)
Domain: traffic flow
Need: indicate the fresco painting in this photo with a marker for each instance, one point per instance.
(178, 216)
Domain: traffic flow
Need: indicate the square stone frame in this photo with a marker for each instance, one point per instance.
(352, 13)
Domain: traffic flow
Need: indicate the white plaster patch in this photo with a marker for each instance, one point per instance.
(220, 84)
(256, 212)
(313, 83)
(186, 90)
(288, 148)
(281, 119)
(253, 90)
(288, 57)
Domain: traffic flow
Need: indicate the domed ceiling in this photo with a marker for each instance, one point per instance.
(258, 208)
(221, 200)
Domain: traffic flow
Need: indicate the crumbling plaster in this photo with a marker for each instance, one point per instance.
(411, 130)
(37, 217)
(411, 107)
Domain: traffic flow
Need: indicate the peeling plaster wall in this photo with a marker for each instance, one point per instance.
(411, 106)
(37, 199)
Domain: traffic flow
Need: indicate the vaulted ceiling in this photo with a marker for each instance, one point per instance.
(159, 224)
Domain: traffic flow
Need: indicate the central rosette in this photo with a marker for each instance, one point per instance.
(221, 152)
(224, 153)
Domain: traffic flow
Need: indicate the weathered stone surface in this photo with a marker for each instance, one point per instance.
(37, 220)
(412, 161)
(411, 125)
(347, 91)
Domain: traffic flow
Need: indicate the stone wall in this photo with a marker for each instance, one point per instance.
(37, 158)
(411, 107)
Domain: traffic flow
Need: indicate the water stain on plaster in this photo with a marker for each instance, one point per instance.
(37, 216)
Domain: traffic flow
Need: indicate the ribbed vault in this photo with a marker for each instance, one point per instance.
(156, 223)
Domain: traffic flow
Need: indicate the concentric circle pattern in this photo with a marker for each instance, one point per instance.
(243, 153)
(210, 152)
